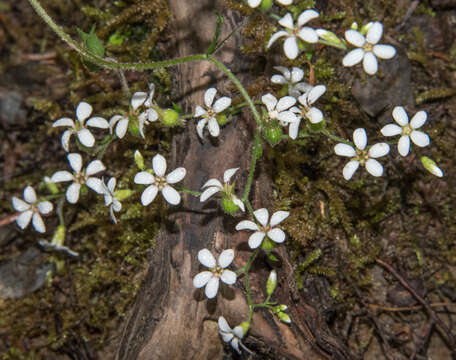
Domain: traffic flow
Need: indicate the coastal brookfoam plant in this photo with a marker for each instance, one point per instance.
(407, 130)
(159, 182)
(79, 177)
(209, 115)
(291, 79)
(362, 156)
(231, 336)
(265, 227)
(85, 137)
(367, 48)
(293, 33)
(110, 198)
(217, 271)
(30, 209)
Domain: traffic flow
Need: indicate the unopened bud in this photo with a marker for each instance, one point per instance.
(52, 187)
(266, 4)
(139, 160)
(170, 117)
(271, 283)
(284, 317)
(431, 166)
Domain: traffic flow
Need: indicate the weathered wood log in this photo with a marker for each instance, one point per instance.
(170, 319)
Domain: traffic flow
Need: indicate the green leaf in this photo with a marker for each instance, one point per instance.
(272, 257)
(92, 43)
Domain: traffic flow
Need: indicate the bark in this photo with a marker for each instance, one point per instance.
(170, 319)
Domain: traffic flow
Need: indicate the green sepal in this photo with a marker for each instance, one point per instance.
(268, 244)
(123, 194)
(221, 119)
(229, 206)
(273, 133)
(59, 236)
(316, 127)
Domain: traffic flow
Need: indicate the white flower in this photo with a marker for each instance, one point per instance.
(367, 48)
(407, 130)
(307, 111)
(279, 110)
(217, 271)
(232, 336)
(209, 114)
(83, 111)
(80, 177)
(292, 79)
(110, 199)
(214, 186)
(158, 181)
(264, 229)
(307, 34)
(361, 155)
(256, 3)
(31, 209)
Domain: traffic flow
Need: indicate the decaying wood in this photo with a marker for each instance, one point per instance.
(172, 320)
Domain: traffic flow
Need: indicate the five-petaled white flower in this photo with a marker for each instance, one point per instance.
(80, 177)
(214, 186)
(232, 336)
(265, 228)
(407, 130)
(279, 110)
(209, 114)
(158, 181)
(31, 209)
(256, 3)
(110, 199)
(217, 272)
(367, 48)
(305, 33)
(361, 155)
(83, 111)
(292, 79)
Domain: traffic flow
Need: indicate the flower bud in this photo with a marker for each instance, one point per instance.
(273, 133)
(59, 236)
(170, 117)
(284, 317)
(266, 4)
(139, 160)
(328, 36)
(122, 194)
(271, 283)
(52, 187)
(354, 26)
(282, 307)
(229, 206)
(431, 166)
(221, 119)
(245, 326)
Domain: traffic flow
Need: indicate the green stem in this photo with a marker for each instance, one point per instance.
(188, 191)
(335, 138)
(247, 284)
(255, 156)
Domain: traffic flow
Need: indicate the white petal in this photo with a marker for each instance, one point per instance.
(293, 129)
(200, 127)
(144, 178)
(38, 223)
(30, 195)
(370, 63)
(256, 239)
(278, 217)
(262, 215)
(72, 193)
(98, 122)
(374, 167)
(199, 111)
(375, 33)
(152, 115)
(212, 183)
(138, 99)
(171, 195)
(213, 127)
(403, 146)
(116, 205)
(64, 122)
(45, 207)
(276, 235)
(296, 74)
(176, 175)
(122, 127)
(287, 21)
(208, 193)
(379, 150)
(315, 115)
(94, 167)
(223, 325)
(270, 101)
(65, 140)
(209, 96)
(350, 168)
(247, 225)
(315, 93)
(391, 130)
(254, 3)
(19, 205)
(83, 111)
(227, 337)
(24, 219)
(86, 138)
(278, 79)
(353, 57)
(342, 149)
(228, 174)
(285, 72)
(75, 161)
(384, 51)
(228, 277)
(420, 138)
(159, 165)
(60, 176)
(360, 138)
(290, 47)
(306, 16)
(238, 202)
(206, 258)
(435, 170)
(285, 103)
(149, 195)
(95, 184)
(212, 287)
(400, 115)
(287, 117)
(285, 2)
(418, 120)
(355, 38)
(221, 104)
(239, 332)
(308, 34)
(202, 279)
(235, 345)
(226, 258)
